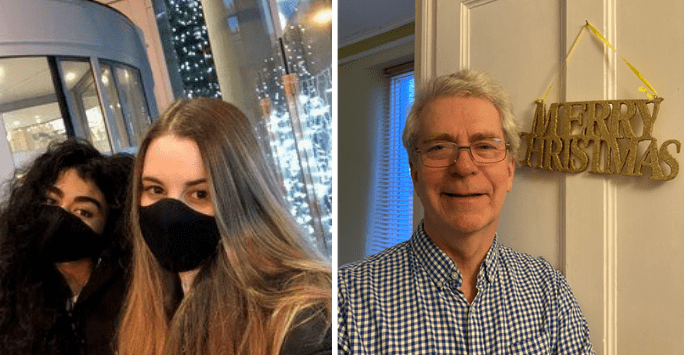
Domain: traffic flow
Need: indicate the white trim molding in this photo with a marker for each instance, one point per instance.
(425, 40)
(610, 234)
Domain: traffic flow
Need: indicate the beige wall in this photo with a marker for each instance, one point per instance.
(361, 86)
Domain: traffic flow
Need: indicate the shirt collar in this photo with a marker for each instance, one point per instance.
(439, 266)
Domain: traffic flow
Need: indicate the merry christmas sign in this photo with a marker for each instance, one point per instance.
(604, 136)
(608, 137)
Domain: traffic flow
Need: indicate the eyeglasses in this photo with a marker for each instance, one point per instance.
(443, 154)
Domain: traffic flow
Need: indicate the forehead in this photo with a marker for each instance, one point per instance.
(456, 116)
(71, 184)
(173, 158)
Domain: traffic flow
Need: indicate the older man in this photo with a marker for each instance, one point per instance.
(452, 288)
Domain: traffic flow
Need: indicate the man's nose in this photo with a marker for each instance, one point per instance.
(463, 162)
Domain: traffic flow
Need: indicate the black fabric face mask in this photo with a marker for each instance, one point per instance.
(179, 237)
(66, 237)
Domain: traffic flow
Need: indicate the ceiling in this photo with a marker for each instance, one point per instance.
(27, 92)
(361, 19)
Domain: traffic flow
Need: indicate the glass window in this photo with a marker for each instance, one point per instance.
(32, 116)
(133, 103)
(85, 108)
(121, 128)
(391, 210)
(120, 134)
(28, 107)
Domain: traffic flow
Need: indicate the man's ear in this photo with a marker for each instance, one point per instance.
(414, 173)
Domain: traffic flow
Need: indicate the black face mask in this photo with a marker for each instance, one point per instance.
(66, 237)
(179, 237)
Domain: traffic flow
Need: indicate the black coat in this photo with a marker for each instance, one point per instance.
(54, 328)
(313, 337)
(89, 326)
(96, 314)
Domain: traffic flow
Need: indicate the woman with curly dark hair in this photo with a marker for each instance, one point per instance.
(62, 252)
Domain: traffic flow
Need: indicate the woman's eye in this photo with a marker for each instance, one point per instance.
(154, 190)
(50, 201)
(84, 213)
(201, 194)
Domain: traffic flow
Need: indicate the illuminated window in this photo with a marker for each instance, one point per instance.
(391, 210)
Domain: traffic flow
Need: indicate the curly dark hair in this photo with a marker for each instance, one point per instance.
(33, 294)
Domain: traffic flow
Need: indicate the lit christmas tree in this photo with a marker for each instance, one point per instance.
(191, 43)
(300, 132)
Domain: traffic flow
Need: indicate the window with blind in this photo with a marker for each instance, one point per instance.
(391, 204)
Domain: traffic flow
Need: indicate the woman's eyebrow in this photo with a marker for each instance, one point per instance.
(90, 200)
(55, 190)
(152, 179)
(196, 182)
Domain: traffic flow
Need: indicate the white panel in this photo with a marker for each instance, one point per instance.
(524, 70)
(585, 194)
(649, 218)
(448, 42)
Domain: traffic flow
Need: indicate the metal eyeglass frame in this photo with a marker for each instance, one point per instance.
(458, 152)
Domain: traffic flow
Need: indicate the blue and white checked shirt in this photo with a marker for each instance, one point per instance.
(407, 300)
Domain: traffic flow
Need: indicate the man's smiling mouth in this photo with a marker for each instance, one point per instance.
(463, 195)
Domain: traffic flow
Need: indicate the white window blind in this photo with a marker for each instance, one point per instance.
(391, 204)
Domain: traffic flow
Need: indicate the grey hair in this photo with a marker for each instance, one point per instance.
(463, 83)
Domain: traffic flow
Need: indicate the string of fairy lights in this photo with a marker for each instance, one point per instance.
(314, 108)
(312, 152)
(304, 162)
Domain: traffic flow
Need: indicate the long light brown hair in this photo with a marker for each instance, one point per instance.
(263, 276)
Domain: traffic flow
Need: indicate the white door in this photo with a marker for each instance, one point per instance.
(618, 239)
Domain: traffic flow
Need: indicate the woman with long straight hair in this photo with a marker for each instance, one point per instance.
(207, 213)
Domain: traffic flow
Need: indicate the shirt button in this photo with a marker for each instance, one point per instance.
(454, 275)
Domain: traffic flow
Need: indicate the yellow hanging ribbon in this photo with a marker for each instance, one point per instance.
(605, 41)
(579, 35)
